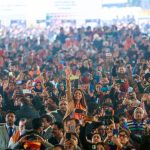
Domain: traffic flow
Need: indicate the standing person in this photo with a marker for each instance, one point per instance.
(7, 130)
(47, 121)
(26, 110)
(33, 138)
(58, 114)
(77, 107)
(15, 137)
(57, 133)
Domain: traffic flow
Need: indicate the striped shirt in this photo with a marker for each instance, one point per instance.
(136, 127)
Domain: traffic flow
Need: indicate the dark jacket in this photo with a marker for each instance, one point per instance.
(26, 111)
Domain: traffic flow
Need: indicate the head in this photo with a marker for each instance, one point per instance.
(100, 146)
(78, 96)
(101, 130)
(57, 129)
(58, 147)
(47, 121)
(71, 141)
(37, 124)
(38, 85)
(10, 118)
(96, 138)
(61, 87)
(122, 119)
(124, 137)
(121, 70)
(22, 124)
(63, 106)
(138, 113)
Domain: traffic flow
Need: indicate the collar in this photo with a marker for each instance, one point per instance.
(47, 128)
(7, 126)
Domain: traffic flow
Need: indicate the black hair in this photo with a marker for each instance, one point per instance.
(59, 125)
(10, 112)
(60, 146)
(36, 123)
(125, 131)
(47, 117)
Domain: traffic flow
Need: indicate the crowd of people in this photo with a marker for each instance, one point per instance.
(89, 89)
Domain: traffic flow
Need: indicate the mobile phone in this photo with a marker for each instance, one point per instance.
(68, 136)
(115, 132)
(79, 111)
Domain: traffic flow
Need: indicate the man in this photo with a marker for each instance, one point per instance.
(15, 137)
(58, 114)
(57, 133)
(122, 141)
(26, 110)
(29, 137)
(7, 130)
(47, 122)
(71, 142)
(137, 125)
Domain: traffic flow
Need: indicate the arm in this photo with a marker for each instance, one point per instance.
(68, 91)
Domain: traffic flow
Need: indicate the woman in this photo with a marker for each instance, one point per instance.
(38, 87)
(77, 107)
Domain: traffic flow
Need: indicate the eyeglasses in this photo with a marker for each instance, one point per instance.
(122, 135)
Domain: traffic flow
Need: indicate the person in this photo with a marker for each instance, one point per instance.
(95, 140)
(100, 146)
(77, 107)
(59, 147)
(71, 142)
(8, 129)
(123, 140)
(47, 121)
(57, 133)
(15, 137)
(137, 125)
(59, 113)
(26, 110)
(33, 137)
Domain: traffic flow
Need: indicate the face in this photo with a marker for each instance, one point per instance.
(100, 147)
(138, 114)
(123, 138)
(63, 106)
(96, 138)
(11, 86)
(22, 125)
(10, 118)
(38, 86)
(57, 148)
(101, 130)
(121, 70)
(45, 123)
(55, 130)
(122, 120)
(61, 87)
(71, 144)
(78, 95)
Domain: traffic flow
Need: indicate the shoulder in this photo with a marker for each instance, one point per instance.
(54, 112)
(2, 126)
